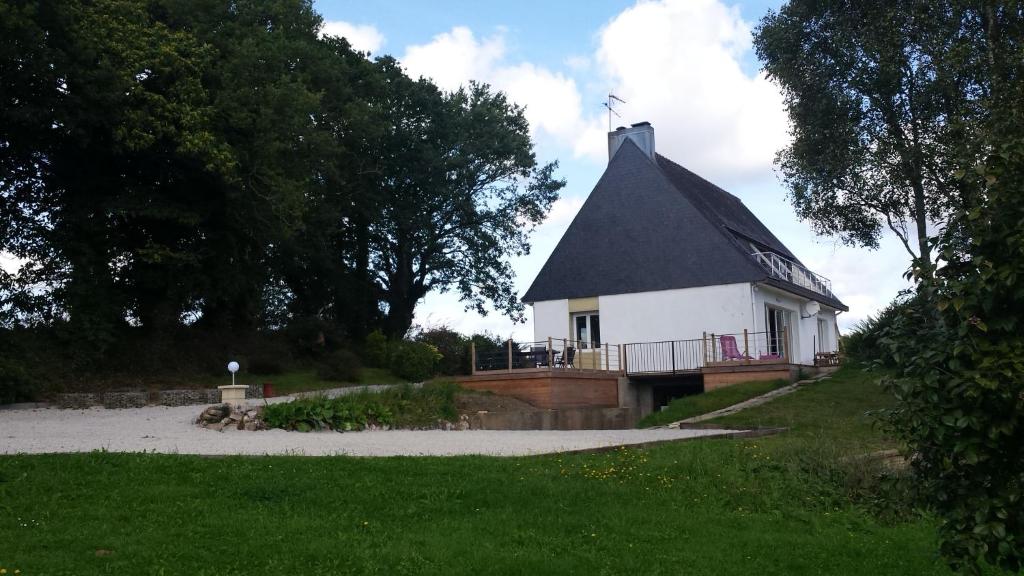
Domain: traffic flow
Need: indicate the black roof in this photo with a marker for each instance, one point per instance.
(654, 225)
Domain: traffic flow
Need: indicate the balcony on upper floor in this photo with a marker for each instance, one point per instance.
(785, 269)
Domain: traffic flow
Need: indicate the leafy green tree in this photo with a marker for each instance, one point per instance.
(265, 106)
(102, 106)
(459, 189)
(884, 98)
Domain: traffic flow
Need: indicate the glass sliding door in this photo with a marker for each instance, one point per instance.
(778, 330)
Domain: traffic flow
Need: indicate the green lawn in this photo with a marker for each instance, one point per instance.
(697, 404)
(307, 380)
(724, 507)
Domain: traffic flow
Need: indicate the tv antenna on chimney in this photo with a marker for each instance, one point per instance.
(610, 105)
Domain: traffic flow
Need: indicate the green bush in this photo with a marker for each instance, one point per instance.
(864, 342)
(342, 414)
(452, 346)
(403, 406)
(960, 390)
(340, 366)
(375, 350)
(414, 361)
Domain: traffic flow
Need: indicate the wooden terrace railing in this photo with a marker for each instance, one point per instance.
(551, 354)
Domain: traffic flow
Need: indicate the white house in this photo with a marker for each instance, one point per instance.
(657, 253)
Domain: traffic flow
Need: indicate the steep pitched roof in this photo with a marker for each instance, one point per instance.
(653, 225)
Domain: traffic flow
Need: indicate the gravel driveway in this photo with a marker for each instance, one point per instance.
(170, 430)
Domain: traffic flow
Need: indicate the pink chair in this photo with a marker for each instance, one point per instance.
(730, 351)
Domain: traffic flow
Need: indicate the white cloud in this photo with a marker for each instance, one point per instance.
(677, 63)
(452, 59)
(362, 37)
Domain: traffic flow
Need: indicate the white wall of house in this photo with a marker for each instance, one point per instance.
(687, 313)
(680, 314)
(804, 333)
(551, 319)
(652, 316)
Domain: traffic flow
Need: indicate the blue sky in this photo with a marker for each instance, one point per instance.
(684, 65)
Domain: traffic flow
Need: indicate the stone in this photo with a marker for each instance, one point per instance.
(251, 426)
(462, 425)
(217, 426)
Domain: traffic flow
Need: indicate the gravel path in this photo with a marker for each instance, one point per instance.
(170, 430)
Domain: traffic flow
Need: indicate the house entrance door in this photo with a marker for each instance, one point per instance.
(777, 321)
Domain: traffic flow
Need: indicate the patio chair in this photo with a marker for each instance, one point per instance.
(540, 355)
(730, 351)
(566, 358)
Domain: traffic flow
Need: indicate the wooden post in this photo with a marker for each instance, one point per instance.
(714, 348)
(564, 345)
(472, 357)
(704, 347)
(509, 354)
(785, 345)
(550, 354)
(606, 360)
(622, 358)
(746, 347)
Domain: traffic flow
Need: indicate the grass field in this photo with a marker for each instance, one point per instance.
(697, 404)
(761, 506)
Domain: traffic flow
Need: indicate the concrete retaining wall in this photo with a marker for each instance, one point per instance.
(564, 419)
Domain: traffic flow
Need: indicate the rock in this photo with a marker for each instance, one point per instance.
(215, 426)
(251, 426)
(462, 425)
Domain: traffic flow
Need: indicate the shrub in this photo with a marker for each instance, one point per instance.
(403, 406)
(340, 366)
(864, 342)
(344, 413)
(375, 350)
(414, 361)
(960, 390)
(452, 346)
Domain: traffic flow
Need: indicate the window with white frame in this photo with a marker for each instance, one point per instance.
(586, 328)
(824, 342)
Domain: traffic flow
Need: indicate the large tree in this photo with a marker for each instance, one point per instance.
(458, 189)
(884, 98)
(103, 112)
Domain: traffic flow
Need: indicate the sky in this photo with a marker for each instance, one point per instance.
(686, 66)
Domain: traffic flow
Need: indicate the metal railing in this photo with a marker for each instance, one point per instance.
(746, 348)
(686, 356)
(550, 354)
(785, 269)
(639, 358)
(664, 357)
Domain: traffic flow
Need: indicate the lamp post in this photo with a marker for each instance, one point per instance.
(235, 393)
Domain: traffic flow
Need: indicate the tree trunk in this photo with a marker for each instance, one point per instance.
(921, 221)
